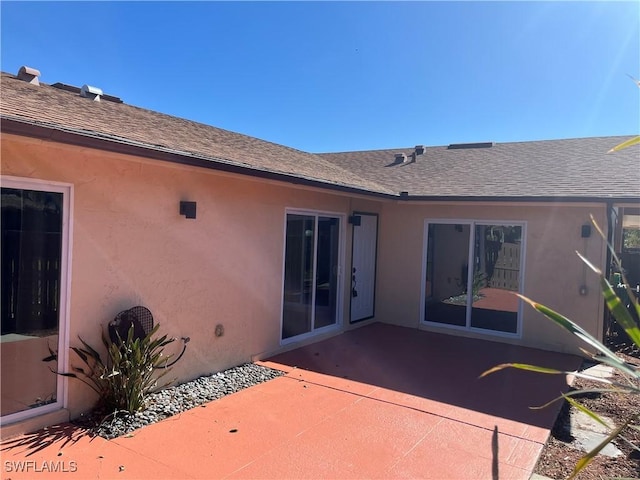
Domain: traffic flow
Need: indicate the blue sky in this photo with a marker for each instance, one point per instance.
(335, 76)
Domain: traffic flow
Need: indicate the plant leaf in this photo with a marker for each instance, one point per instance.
(620, 312)
(584, 461)
(585, 410)
(634, 79)
(522, 366)
(91, 351)
(624, 145)
(575, 393)
(579, 332)
(81, 354)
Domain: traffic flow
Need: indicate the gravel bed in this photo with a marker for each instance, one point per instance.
(177, 399)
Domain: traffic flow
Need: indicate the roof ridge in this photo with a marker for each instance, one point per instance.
(568, 168)
(495, 144)
(117, 122)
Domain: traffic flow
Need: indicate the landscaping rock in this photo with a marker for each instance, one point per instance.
(588, 434)
(174, 400)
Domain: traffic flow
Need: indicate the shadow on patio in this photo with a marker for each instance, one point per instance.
(440, 369)
(376, 402)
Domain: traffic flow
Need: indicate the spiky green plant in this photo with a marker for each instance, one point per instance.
(632, 141)
(129, 372)
(600, 354)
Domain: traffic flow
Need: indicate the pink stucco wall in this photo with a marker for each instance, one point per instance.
(553, 273)
(130, 246)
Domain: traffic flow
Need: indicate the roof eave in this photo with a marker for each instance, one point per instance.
(116, 145)
(519, 199)
(82, 139)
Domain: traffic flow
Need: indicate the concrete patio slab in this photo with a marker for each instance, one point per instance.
(376, 402)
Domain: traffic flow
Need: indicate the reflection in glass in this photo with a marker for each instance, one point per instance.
(496, 276)
(298, 275)
(447, 272)
(31, 226)
(326, 272)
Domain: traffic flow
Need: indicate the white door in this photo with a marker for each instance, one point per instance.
(363, 266)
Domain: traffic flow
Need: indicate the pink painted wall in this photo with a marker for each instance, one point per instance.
(131, 246)
(553, 272)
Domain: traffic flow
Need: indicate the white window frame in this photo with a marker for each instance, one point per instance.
(472, 224)
(341, 262)
(65, 290)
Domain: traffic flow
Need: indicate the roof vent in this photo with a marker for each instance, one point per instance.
(419, 149)
(461, 146)
(93, 93)
(72, 89)
(29, 75)
(400, 157)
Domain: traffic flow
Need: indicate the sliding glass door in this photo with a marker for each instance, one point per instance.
(311, 267)
(480, 297)
(34, 239)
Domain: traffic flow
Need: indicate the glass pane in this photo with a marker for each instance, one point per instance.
(298, 275)
(31, 228)
(327, 272)
(496, 275)
(447, 272)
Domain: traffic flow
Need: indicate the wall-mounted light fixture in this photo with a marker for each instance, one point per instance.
(586, 231)
(188, 209)
(355, 220)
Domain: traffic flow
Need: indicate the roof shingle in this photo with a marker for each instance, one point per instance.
(60, 109)
(551, 168)
(575, 168)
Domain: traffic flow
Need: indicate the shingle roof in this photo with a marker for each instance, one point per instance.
(60, 109)
(552, 168)
(577, 168)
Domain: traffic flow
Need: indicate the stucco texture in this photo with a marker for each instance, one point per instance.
(553, 273)
(131, 247)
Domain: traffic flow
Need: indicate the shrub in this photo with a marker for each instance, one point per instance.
(599, 353)
(127, 376)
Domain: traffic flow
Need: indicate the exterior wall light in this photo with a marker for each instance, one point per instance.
(188, 209)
